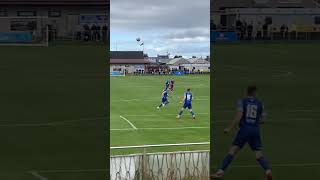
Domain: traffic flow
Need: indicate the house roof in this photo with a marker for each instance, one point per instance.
(129, 61)
(198, 61)
(178, 61)
(127, 57)
(55, 2)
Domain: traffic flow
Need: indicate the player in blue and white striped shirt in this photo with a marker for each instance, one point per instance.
(187, 103)
(164, 99)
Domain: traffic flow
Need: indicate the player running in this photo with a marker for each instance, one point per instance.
(171, 85)
(164, 99)
(187, 100)
(167, 84)
(249, 116)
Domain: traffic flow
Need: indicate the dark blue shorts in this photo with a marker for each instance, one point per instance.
(164, 100)
(249, 135)
(187, 105)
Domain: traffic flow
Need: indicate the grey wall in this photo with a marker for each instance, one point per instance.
(66, 24)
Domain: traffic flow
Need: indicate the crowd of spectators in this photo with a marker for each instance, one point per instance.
(92, 32)
(259, 30)
(167, 71)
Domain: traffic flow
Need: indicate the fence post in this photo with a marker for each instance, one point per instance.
(144, 164)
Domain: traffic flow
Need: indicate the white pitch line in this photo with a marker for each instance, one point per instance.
(280, 165)
(37, 175)
(133, 126)
(134, 100)
(147, 115)
(177, 128)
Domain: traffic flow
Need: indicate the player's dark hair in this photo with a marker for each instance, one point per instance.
(251, 90)
(188, 89)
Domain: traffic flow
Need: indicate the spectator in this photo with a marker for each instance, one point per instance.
(265, 31)
(259, 31)
(238, 27)
(86, 32)
(286, 32)
(78, 32)
(282, 30)
(250, 30)
(244, 29)
(94, 32)
(98, 33)
(105, 33)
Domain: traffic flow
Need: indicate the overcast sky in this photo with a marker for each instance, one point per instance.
(180, 27)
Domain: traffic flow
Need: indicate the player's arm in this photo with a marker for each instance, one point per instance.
(263, 116)
(234, 122)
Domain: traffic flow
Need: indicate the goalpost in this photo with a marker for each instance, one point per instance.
(24, 31)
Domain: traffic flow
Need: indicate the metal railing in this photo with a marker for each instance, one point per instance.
(179, 165)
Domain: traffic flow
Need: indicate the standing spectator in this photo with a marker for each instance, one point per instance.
(105, 33)
(93, 32)
(78, 32)
(238, 27)
(259, 31)
(250, 30)
(286, 32)
(282, 29)
(265, 31)
(244, 29)
(98, 33)
(86, 29)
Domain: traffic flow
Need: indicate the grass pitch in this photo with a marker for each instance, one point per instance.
(136, 121)
(52, 120)
(287, 76)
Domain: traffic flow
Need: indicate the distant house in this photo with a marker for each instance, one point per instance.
(128, 61)
(193, 64)
(197, 64)
(163, 58)
(153, 59)
(177, 61)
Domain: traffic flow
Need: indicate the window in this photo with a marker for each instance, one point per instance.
(54, 13)
(3, 13)
(317, 20)
(26, 13)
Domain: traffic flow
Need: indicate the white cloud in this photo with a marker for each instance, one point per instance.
(164, 25)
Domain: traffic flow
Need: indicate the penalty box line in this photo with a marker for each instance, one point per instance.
(130, 123)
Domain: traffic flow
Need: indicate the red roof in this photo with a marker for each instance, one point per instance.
(55, 2)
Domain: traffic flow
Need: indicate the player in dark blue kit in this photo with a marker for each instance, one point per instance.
(167, 84)
(187, 103)
(164, 99)
(249, 116)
